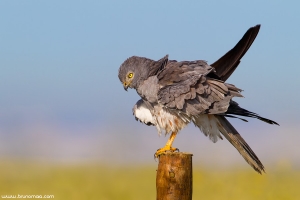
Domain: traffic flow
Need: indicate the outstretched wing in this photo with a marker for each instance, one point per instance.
(226, 65)
(185, 87)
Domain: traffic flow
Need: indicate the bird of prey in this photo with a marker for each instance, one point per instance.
(173, 94)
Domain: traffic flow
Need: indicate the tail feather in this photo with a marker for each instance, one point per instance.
(239, 143)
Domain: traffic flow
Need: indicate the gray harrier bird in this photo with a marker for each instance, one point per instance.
(173, 94)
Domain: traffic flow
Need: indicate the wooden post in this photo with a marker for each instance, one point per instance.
(174, 177)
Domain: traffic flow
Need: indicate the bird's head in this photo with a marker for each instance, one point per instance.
(136, 69)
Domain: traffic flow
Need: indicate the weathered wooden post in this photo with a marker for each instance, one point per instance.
(174, 177)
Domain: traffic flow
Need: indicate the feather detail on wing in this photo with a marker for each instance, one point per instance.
(226, 65)
(185, 87)
(158, 66)
(235, 109)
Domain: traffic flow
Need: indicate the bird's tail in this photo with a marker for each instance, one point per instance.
(239, 143)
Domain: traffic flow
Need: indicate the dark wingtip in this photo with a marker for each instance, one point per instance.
(267, 120)
(258, 25)
(235, 109)
(226, 65)
(275, 123)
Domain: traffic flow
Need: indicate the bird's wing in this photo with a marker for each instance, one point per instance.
(184, 86)
(229, 62)
(229, 132)
(235, 109)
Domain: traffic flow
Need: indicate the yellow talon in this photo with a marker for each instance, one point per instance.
(164, 149)
(168, 146)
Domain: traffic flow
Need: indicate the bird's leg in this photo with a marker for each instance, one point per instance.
(168, 146)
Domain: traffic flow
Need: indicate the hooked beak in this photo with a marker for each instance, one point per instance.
(125, 85)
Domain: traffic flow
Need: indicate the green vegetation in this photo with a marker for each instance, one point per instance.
(96, 181)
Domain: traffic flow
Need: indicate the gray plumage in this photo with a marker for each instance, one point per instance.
(177, 93)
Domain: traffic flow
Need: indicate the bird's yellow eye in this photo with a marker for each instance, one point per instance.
(130, 75)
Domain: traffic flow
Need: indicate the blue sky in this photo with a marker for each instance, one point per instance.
(59, 59)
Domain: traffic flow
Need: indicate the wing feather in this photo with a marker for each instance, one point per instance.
(226, 65)
(185, 87)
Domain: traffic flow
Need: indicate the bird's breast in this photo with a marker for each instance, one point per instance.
(158, 116)
(142, 113)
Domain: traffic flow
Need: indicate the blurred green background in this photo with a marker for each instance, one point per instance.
(105, 182)
(66, 124)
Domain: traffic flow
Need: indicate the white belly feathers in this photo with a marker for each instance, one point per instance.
(142, 113)
(171, 122)
(162, 119)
